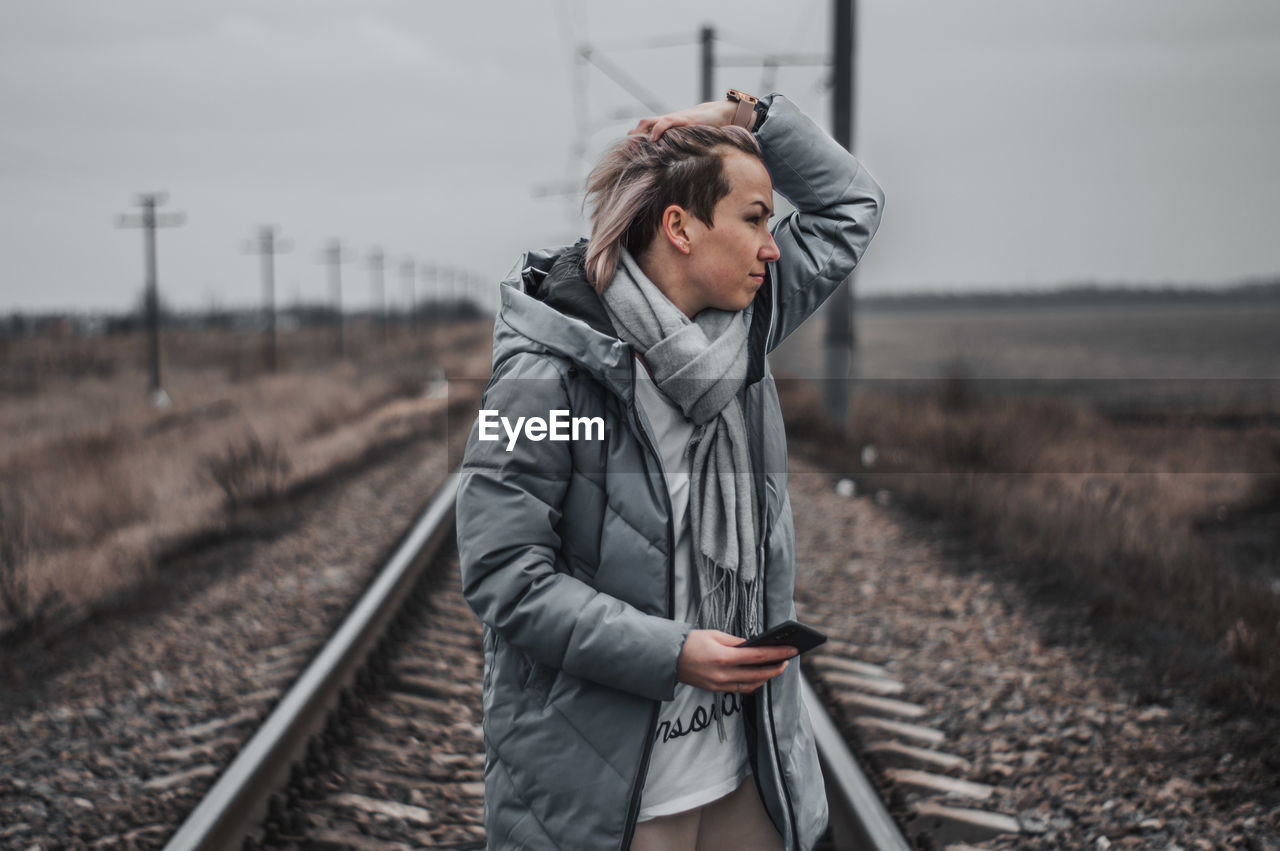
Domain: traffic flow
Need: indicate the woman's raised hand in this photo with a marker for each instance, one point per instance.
(711, 660)
(717, 113)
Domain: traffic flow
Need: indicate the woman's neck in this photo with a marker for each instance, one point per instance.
(664, 269)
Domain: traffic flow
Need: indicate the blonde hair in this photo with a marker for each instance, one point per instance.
(637, 179)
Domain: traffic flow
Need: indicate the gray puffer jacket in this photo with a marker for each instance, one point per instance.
(566, 545)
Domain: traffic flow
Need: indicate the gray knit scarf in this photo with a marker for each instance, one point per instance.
(700, 365)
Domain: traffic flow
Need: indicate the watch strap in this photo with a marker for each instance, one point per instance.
(762, 112)
(746, 113)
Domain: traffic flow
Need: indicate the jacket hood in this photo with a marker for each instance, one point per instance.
(548, 305)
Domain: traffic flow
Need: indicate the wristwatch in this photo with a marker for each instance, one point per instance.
(750, 113)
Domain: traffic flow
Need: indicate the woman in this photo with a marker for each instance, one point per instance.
(616, 566)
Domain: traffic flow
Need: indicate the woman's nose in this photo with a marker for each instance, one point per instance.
(769, 251)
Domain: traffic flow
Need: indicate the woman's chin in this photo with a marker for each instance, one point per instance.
(736, 303)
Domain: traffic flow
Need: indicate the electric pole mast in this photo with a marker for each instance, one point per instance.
(450, 289)
(708, 40)
(431, 278)
(840, 338)
(148, 220)
(377, 262)
(430, 275)
(335, 257)
(267, 246)
(409, 274)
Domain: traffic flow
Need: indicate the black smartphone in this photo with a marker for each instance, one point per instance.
(795, 634)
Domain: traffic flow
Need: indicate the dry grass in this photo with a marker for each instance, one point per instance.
(1129, 517)
(97, 483)
(249, 472)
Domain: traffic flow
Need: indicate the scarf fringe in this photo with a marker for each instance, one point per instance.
(740, 620)
(726, 601)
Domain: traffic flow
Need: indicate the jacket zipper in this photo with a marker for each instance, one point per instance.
(771, 726)
(786, 792)
(774, 751)
(633, 807)
(773, 312)
(767, 691)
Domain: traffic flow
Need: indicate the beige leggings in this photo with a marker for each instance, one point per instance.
(736, 822)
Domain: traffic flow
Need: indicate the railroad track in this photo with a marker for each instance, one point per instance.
(378, 743)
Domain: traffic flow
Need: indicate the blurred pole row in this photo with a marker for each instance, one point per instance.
(446, 292)
(449, 291)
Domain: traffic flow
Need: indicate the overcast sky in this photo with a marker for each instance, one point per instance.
(1019, 143)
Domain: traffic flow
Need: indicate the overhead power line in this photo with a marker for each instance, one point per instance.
(755, 60)
(654, 43)
(623, 79)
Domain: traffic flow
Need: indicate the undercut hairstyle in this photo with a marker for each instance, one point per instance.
(637, 179)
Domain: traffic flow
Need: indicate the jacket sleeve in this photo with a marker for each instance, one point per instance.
(509, 506)
(838, 206)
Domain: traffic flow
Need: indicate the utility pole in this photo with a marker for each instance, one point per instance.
(409, 274)
(149, 221)
(840, 339)
(267, 246)
(449, 289)
(376, 264)
(334, 256)
(429, 277)
(708, 40)
(468, 296)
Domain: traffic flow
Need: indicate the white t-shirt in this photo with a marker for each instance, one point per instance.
(689, 765)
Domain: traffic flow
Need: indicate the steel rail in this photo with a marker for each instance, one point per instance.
(858, 818)
(238, 800)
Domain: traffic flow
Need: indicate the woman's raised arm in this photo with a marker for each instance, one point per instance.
(838, 206)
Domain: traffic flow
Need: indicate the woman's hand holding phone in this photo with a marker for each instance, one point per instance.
(715, 661)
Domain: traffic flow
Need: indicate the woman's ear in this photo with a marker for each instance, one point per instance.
(675, 228)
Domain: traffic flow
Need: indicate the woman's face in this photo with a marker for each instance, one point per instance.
(726, 262)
